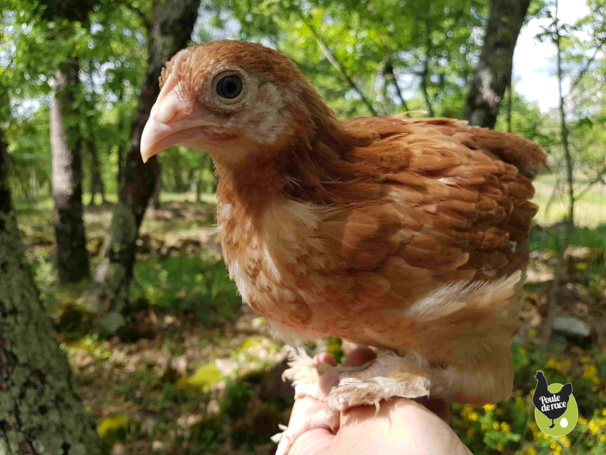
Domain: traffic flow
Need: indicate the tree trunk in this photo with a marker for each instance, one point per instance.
(493, 73)
(70, 254)
(157, 190)
(173, 22)
(40, 412)
(96, 175)
(569, 225)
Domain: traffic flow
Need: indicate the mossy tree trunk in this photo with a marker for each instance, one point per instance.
(71, 255)
(493, 72)
(169, 31)
(40, 412)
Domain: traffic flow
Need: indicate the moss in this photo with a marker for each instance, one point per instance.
(204, 377)
(251, 342)
(115, 428)
(91, 345)
(73, 318)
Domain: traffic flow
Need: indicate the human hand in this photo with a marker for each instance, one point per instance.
(400, 427)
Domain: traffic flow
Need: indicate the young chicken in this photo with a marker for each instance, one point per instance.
(404, 234)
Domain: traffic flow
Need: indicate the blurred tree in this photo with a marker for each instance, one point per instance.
(71, 255)
(97, 186)
(493, 71)
(40, 412)
(169, 30)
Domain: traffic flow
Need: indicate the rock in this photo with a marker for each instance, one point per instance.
(580, 309)
(570, 326)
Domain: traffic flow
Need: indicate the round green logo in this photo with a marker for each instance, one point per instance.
(556, 410)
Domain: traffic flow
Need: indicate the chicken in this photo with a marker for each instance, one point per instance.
(408, 235)
(552, 405)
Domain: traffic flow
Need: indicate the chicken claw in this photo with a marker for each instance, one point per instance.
(389, 376)
(383, 378)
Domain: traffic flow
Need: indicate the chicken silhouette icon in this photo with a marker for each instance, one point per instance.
(552, 405)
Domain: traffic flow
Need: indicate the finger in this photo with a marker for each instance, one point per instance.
(328, 377)
(304, 407)
(324, 357)
(310, 404)
(359, 356)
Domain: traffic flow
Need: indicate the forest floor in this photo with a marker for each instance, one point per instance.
(200, 373)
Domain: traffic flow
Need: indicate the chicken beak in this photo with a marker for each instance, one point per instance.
(167, 126)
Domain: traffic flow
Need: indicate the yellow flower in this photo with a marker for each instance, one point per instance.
(505, 428)
(585, 359)
(474, 416)
(594, 427)
(466, 410)
(604, 412)
(492, 407)
(531, 451)
(522, 351)
(582, 420)
(533, 426)
(565, 441)
(603, 438)
(589, 371)
(471, 432)
(500, 447)
(483, 426)
(496, 425)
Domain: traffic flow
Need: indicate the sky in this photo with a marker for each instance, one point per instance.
(534, 63)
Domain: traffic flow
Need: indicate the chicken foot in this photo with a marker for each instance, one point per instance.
(383, 378)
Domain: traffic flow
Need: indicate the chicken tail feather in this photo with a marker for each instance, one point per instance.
(518, 151)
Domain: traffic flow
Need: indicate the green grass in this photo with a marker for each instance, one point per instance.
(191, 287)
(590, 209)
(198, 285)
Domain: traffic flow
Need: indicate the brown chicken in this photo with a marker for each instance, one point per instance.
(404, 234)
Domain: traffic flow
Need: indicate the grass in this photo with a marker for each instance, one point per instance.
(590, 209)
(190, 284)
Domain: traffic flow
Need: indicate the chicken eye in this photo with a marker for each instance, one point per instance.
(229, 87)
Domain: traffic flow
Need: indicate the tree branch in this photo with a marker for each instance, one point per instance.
(337, 64)
(425, 72)
(584, 70)
(390, 76)
(599, 178)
